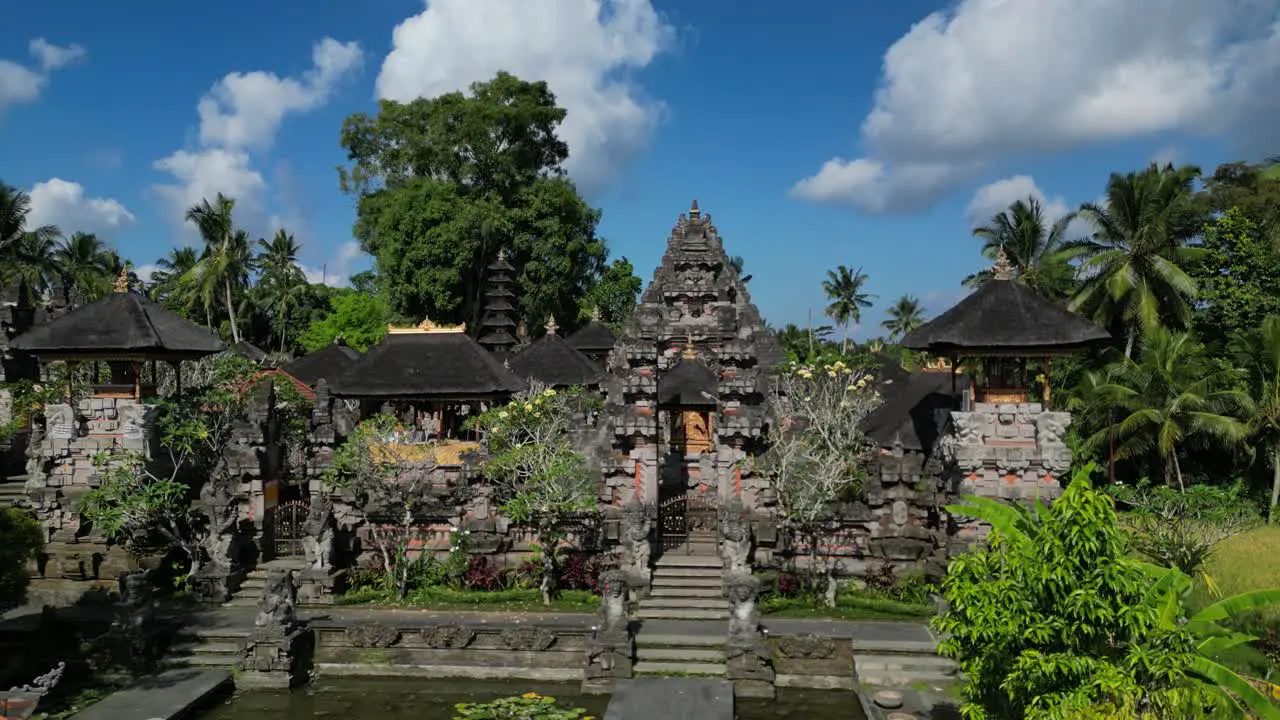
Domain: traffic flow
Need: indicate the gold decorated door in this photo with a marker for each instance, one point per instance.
(693, 432)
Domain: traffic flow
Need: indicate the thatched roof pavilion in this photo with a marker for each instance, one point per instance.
(553, 361)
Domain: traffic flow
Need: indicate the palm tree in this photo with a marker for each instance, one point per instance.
(280, 255)
(33, 259)
(844, 289)
(15, 206)
(1258, 355)
(905, 315)
(1132, 265)
(166, 284)
(86, 267)
(1170, 395)
(1035, 248)
(227, 261)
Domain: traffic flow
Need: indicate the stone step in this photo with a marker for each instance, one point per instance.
(680, 614)
(680, 654)
(699, 572)
(200, 661)
(702, 561)
(696, 591)
(686, 581)
(207, 648)
(715, 603)
(239, 600)
(901, 679)
(254, 584)
(904, 663)
(690, 640)
(679, 668)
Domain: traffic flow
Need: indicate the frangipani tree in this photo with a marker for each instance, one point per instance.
(391, 479)
(816, 450)
(542, 478)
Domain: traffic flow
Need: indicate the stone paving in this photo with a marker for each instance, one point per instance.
(169, 694)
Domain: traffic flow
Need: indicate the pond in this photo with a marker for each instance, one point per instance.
(352, 699)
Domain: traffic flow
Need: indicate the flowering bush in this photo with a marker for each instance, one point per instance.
(529, 706)
(482, 574)
(817, 450)
(540, 476)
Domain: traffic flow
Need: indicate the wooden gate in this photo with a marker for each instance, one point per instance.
(287, 523)
(687, 519)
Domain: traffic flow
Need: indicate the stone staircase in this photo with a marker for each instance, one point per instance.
(680, 647)
(884, 662)
(685, 587)
(211, 647)
(12, 491)
(250, 589)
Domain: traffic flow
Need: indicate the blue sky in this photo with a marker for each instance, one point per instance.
(816, 133)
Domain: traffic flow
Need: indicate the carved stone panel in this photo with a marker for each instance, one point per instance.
(448, 637)
(372, 636)
(527, 638)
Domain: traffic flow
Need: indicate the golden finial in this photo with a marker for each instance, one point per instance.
(1002, 270)
(690, 352)
(595, 313)
(522, 332)
(426, 326)
(502, 254)
(551, 325)
(122, 280)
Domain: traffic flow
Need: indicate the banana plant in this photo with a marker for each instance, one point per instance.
(1236, 693)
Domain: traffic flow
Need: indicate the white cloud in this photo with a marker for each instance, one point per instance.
(992, 79)
(144, 272)
(580, 48)
(996, 197)
(20, 84)
(244, 110)
(241, 113)
(52, 57)
(203, 174)
(63, 203)
(337, 272)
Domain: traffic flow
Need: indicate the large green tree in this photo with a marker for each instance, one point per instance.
(359, 319)
(844, 288)
(222, 274)
(20, 540)
(1238, 278)
(613, 296)
(444, 183)
(1258, 354)
(905, 315)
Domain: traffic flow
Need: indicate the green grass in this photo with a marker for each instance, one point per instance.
(1248, 561)
(441, 598)
(848, 607)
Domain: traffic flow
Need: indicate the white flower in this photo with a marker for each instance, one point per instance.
(466, 532)
(453, 529)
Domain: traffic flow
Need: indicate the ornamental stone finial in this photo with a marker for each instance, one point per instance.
(1002, 270)
(551, 325)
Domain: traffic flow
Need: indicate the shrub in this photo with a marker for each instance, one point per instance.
(482, 574)
(1180, 528)
(580, 572)
(20, 540)
(529, 706)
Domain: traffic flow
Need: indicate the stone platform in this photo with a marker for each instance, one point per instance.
(671, 698)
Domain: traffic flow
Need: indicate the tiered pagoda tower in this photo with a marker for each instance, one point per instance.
(688, 379)
(498, 325)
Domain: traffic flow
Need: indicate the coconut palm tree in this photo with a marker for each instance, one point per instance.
(1036, 249)
(1171, 394)
(1258, 355)
(227, 261)
(15, 229)
(166, 284)
(844, 289)
(85, 265)
(904, 316)
(33, 259)
(1132, 267)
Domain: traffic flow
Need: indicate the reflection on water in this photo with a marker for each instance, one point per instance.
(399, 699)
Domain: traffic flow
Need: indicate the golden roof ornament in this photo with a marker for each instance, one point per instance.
(522, 332)
(426, 326)
(1002, 270)
(502, 254)
(690, 352)
(122, 280)
(595, 313)
(551, 325)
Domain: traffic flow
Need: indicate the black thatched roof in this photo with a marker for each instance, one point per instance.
(551, 360)
(1003, 317)
(326, 363)
(595, 336)
(910, 410)
(249, 351)
(121, 323)
(689, 383)
(445, 365)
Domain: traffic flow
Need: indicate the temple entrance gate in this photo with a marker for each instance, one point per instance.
(286, 527)
(688, 523)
